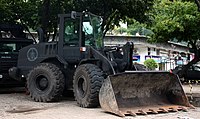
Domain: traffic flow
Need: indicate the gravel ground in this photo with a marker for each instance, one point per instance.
(67, 109)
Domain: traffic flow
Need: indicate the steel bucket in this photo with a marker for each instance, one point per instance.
(142, 92)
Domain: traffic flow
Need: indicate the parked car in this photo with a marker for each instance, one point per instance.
(193, 73)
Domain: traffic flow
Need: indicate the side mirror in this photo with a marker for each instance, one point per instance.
(73, 14)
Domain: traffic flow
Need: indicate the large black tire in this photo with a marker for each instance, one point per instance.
(88, 79)
(45, 83)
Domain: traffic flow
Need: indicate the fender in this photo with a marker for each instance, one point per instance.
(92, 61)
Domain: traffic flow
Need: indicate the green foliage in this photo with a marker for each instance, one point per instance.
(114, 11)
(178, 19)
(120, 30)
(140, 28)
(43, 13)
(34, 13)
(10, 10)
(150, 64)
(135, 27)
(16, 11)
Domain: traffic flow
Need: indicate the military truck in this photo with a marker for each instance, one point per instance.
(12, 39)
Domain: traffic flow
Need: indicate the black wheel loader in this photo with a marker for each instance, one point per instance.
(79, 61)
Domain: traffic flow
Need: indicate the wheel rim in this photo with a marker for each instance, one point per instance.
(42, 83)
(82, 86)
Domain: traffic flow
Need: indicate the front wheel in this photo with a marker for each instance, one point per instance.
(45, 83)
(88, 79)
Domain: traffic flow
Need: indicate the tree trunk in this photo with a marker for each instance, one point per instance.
(194, 61)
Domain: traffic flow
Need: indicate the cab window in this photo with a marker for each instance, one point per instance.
(71, 33)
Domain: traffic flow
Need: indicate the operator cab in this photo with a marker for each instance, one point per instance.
(78, 31)
(82, 29)
(92, 32)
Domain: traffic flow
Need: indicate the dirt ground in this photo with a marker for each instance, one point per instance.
(67, 109)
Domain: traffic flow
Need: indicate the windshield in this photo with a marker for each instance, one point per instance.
(11, 47)
(7, 47)
(92, 31)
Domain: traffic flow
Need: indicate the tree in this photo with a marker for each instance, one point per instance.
(11, 10)
(176, 20)
(33, 13)
(114, 11)
(135, 27)
(150, 64)
(19, 12)
(43, 13)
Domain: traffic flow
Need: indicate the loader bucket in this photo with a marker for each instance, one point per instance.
(142, 92)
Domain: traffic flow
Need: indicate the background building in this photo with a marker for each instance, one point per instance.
(167, 55)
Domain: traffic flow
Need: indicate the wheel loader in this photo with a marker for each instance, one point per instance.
(78, 60)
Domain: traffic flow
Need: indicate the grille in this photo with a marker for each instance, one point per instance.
(7, 63)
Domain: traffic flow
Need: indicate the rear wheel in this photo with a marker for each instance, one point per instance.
(45, 83)
(88, 79)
